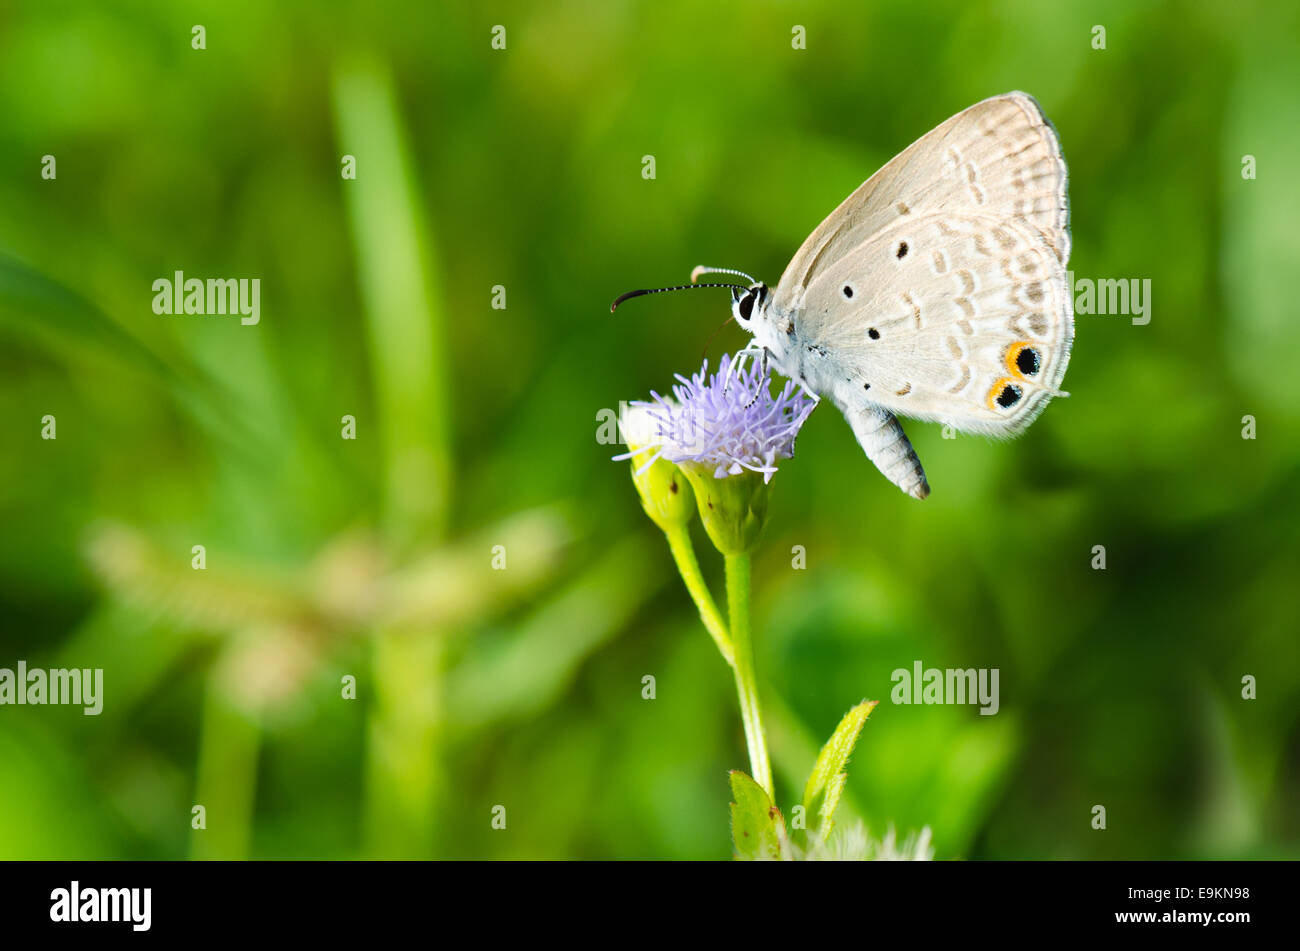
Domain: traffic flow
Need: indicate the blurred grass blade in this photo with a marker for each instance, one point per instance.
(826, 783)
(44, 309)
(394, 253)
(526, 675)
(227, 778)
(394, 256)
(404, 779)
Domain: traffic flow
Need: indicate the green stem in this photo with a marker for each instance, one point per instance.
(230, 739)
(404, 779)
(679, 542)
(738, 572)
(395, 251)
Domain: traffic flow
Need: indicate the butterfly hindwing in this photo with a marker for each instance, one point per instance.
(964, 320)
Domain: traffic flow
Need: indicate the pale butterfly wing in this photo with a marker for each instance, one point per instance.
(938, 289)
(962, 319)
(1000, 157)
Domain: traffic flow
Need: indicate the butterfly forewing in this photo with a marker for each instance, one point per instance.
(999, 158)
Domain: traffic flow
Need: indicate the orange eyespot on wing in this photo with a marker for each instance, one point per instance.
(1024, 360)
(1005, 394)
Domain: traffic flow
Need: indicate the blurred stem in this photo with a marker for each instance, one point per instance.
(738, 586)
(679, 542)
(402, 777)
(227, 777)
(395, 250)
(400, 288)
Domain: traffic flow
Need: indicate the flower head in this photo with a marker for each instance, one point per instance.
(730, 422)
(725, 432)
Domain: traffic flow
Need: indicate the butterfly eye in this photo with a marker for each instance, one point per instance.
(1024, 359)
(746, 307)
(1004, 394)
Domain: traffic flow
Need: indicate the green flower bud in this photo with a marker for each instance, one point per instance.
(665, 493)
(733, 508)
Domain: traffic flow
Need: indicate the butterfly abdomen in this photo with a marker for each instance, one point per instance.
(882, 438)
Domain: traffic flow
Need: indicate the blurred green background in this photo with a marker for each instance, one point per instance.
(476, 428)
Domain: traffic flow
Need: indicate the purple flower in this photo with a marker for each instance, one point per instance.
(729, 424)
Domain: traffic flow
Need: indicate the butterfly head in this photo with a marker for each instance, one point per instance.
(752, 309)
(747, 304)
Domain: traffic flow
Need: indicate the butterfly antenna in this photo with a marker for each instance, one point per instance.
(660, 290)
(702, 270)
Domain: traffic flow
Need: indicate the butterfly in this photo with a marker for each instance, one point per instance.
(936, 291)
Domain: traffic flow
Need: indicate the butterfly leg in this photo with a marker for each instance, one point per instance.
(816, 398)
(763, 377)
(737, 361)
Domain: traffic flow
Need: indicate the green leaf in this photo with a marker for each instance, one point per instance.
(757, 826)
(826, 783)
